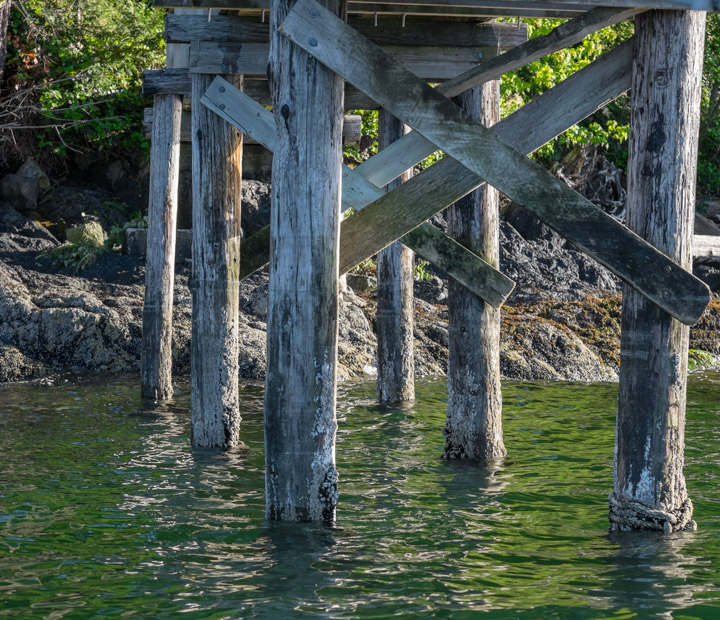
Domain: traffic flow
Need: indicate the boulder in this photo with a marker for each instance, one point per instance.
(91, 233)
(22, 193)
(32, 170)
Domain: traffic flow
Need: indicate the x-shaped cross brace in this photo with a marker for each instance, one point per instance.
(476, 153)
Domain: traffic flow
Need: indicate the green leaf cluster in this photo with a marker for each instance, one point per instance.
(81, 62)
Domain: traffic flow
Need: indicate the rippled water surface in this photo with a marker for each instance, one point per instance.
(106, 511)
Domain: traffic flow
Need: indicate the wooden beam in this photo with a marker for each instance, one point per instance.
(156, 358)
(473, 424)
(413, 148)
(429, 242)
(356, 59)
(417, 31)
(395, 313)
(352, 127)
(706, 246)
(300, 387)
(500, 5)
(649, 483)
(217, 169)
(429, 63)
(177, 82)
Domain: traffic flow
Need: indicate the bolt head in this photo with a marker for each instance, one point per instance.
(314, 12)
(222, 89)
(313, 42)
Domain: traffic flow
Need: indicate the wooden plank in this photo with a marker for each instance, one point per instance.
(177, 82)
(600, 236)
(352, 127)
(473, 423)
(417, 31)
(156, 357)
(395, 314)
(300, 386)
(217, 166)
(706, 246)
(507, 5)
(649, 491)
(413, 148)
(429, 63)
(430, 243)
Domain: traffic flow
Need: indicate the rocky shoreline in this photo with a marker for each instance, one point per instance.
(562, 322)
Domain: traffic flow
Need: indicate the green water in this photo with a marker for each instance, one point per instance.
(105, 511)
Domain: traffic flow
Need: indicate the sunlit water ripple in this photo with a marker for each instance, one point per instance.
(106, 511)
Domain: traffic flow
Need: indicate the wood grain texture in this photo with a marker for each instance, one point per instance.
(300, 386)
(434, 64)
(417, 31)
(395, 299)
(352, 127)
(475, 147)
(526, 8)
(177, 82)
(526, 129)
(650, 490)
(156, 357)
(464, 266)
(473, 425)
(217, 169)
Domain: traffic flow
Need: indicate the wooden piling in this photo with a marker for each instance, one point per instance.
(217, 169)
(473, 427)
(300, 395)
(156, 357)
(395, 266)
(649, 491)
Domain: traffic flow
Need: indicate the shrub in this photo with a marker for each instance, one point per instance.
(76, 74)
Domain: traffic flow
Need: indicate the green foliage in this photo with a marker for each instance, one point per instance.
(367, 268)
(81, 62)
(420, 271)
(702, 360)
(116, 236)
(74, 257)
(606, 128)
(709, 147)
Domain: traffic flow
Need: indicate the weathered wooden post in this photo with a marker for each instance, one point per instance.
(156, 357)
(217, 169)
(300, 394)
(650, 490)
(473, 428)
(395, 265)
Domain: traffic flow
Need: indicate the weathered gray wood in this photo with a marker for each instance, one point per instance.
(562, 36)
(475, 147)
(526, 8)
(395, 299)
(706, 246)
(417, 31)
(300, 387)
(468, 269)
(650, 490)
(414, 148)
(429, 63)
(217, 166)
(177, 82)
(352, 127)
(473, 426)
(156, 357)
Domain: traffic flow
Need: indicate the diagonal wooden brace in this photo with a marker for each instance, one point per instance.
(429, 242)
(601, 81)
(367, 67)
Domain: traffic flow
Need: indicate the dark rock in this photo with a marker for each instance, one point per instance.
(255, 206)
(22, 193)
